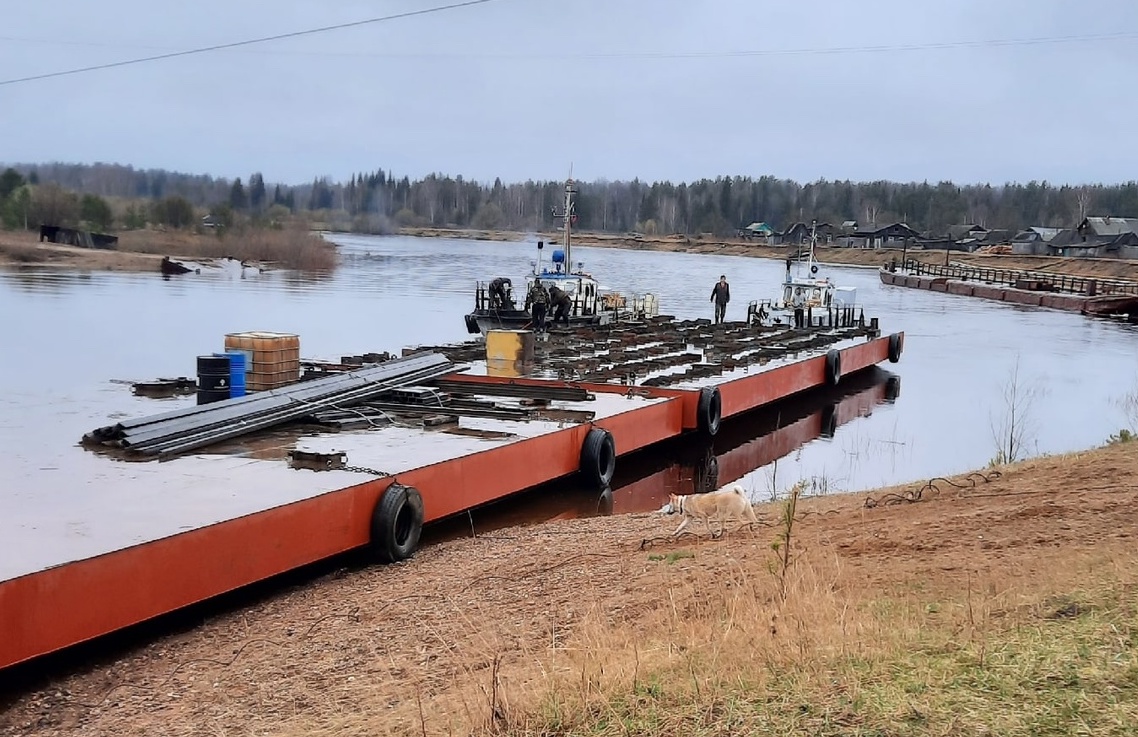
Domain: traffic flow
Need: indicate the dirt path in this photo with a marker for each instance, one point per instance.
(415, 648)
(24, 249)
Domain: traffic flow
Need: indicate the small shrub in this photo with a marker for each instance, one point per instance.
(1122, 436)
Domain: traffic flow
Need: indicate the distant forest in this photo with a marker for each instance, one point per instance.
(380, 200)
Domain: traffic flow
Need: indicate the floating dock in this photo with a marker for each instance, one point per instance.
(135, 540)
(1085, 295)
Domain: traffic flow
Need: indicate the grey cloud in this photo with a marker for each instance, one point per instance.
(347, 101)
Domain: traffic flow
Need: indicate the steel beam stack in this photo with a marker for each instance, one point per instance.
(187, 429)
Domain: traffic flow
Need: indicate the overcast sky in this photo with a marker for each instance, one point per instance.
(522, 88)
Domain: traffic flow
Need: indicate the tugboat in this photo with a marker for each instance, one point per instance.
(591, 304)
(822, 296)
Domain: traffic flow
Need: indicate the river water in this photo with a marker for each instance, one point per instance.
(70, 338)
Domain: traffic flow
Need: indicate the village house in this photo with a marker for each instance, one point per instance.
(800, 233)
(966, 231)
(1097, 237)
(889, 235)
(1034, 241)
(1094, 237)
(1104, 228)
(756, 230)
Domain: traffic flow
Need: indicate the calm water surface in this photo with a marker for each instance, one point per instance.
(70, 337)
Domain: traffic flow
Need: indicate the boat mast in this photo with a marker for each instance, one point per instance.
(569, 191)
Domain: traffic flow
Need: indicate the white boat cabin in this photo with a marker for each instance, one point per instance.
(582, 287)
(819, 293)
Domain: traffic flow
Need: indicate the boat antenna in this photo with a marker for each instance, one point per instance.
(813, 241)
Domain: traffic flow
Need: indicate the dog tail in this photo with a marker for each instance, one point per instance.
(749, 508)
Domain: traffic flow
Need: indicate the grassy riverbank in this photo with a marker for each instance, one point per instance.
(1098, 267)
(142, 250)
(1009, 607)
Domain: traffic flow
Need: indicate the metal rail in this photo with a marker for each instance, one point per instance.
(563, 393)
(336, 391)
(1066, 283)
(190, 428)
(184, 443)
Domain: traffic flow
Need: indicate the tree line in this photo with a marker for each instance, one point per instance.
(379, 200)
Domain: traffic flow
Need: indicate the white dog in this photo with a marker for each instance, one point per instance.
(730, 502)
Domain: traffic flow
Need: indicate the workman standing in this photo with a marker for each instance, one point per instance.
(721, 295)
(498, 292)
(538, 300)
(798, 302)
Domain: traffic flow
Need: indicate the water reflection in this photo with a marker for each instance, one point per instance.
(37, 280)
(742, 449)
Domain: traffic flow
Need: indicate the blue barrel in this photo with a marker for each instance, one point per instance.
(236, 372)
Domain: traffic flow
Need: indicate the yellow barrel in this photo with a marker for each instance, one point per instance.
(271, 359)
(505, 369)
(509, 346)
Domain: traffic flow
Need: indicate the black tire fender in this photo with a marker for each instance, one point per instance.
(397, 523)
(896, 346)
(709, 410)
(892, 388)
(598, 457)
(471, 324)
(604, 502)
(833, 367)
(829, 421)
(708, 479)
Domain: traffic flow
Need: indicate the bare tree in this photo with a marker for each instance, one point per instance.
(1083, 200)
(53, 205)
(1014, 428)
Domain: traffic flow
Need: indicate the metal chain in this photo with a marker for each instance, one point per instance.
(363, 469)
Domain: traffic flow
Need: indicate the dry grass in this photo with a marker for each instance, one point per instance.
(1008, 608)
(1000, 657)
(20, 253)
(293, 247)
(21, 247)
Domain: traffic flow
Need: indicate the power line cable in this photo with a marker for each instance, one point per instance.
(525, 56)
(248, 42)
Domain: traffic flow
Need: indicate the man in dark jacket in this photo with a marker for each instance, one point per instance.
(721, 295)
(538, 301)
(498, 296)
(561, 302)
